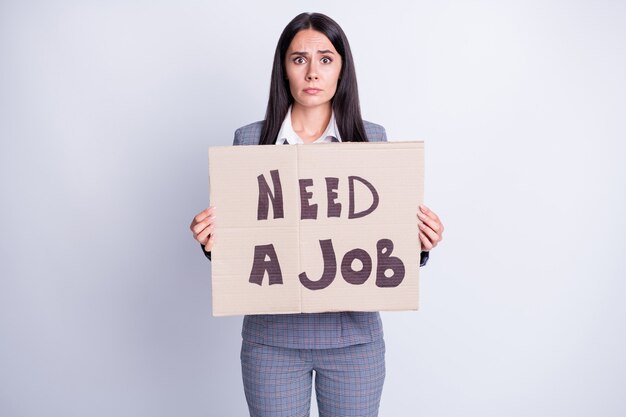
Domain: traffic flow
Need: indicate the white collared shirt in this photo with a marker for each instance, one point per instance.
(287, 136)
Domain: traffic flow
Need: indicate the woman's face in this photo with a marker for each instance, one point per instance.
(312, 66)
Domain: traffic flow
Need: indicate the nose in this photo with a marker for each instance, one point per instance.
(311, 74)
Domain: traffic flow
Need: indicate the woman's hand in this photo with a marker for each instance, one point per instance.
(431, 228)
(202, 228)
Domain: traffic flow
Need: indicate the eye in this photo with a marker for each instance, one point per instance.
(299, 60)
(326, 60)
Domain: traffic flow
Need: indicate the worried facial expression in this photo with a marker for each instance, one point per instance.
(313, 67)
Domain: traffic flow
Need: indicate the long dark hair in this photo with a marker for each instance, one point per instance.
(345, 103)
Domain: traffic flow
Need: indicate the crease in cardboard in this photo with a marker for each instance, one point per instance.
(298, 205)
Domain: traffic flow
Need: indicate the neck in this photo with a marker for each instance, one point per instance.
(310, 122)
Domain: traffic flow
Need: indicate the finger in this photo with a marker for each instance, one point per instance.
(428, 212)
(426, 244)
(198, 218)
(199, 227)
(210, 241)
(434, 224)
(202, 215)
(432, 236)
(204, 235)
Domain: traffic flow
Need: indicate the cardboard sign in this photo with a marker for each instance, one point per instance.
(315, 228)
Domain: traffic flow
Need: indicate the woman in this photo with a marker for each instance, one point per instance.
(313, 99)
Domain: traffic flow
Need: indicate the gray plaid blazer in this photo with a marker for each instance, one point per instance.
(251, 134)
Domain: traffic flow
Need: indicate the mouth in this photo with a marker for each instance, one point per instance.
(311, 90)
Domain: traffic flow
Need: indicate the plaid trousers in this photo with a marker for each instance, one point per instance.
(348, 380)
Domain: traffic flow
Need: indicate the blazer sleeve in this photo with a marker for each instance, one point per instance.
(374, 132)
(238, 137)
(383, 135)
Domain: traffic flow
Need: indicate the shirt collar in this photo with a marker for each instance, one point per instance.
(286, 135)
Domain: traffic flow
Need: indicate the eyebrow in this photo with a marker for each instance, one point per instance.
(325, 51)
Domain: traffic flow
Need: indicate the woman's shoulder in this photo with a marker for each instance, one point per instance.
(374, 132)
(248, 134)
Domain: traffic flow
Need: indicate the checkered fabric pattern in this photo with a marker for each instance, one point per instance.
(348, 380)
(313, 330)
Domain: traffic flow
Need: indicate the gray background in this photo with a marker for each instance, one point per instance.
(106, 113)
